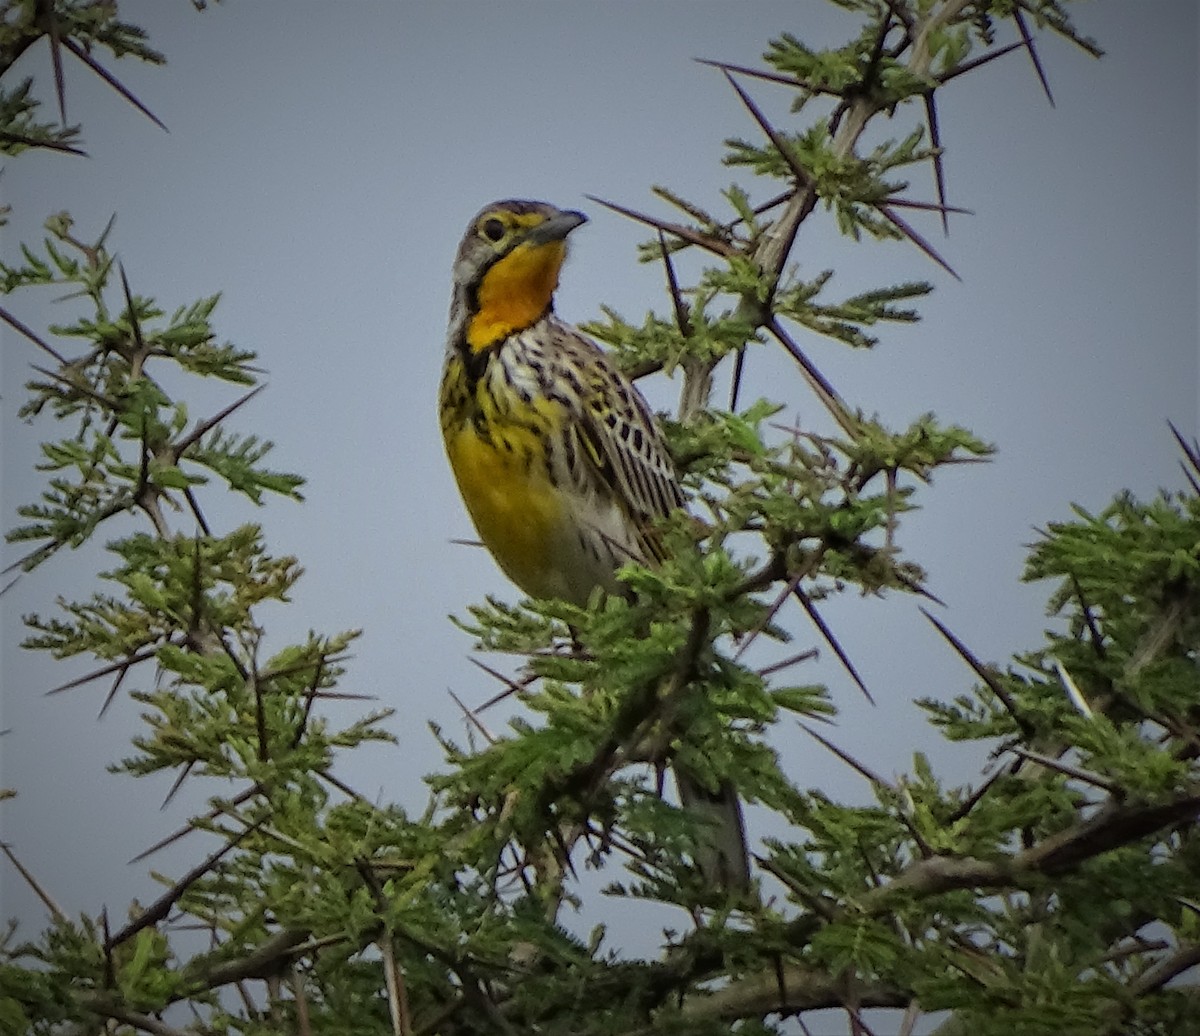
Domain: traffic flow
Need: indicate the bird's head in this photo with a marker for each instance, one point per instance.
(507, 269)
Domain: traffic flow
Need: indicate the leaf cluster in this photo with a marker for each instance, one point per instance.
(78, 28)
(129, 446)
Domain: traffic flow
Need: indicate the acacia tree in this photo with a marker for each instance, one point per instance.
(1059, 893)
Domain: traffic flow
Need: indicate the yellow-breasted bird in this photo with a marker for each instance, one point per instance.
(557, 455)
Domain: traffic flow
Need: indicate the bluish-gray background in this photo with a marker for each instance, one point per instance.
(322, 161)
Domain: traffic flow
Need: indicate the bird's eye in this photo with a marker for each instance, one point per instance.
(492, 229)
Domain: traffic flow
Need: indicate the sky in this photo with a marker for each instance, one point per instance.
(319, 170)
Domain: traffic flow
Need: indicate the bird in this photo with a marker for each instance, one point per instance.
(560, 462)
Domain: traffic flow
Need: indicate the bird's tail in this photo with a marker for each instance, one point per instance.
(722, 856)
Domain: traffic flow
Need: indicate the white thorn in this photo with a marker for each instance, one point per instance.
(1073, 692)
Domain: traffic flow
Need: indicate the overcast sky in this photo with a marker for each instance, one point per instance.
(319, 170)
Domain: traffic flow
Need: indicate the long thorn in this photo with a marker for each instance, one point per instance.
(133, 320)
(173, 790)
(191, 826)
(1074, 694)
(739, 363)
(682, 317)
(972, 800)
(513, 686)
(32, 882)
(112, 691)
(939, 172)
(983, 59)
(56, 40)
(161, 907)
(9, 137)
(787, 663)
(1089, 619)
(793, 581)
(1027, 40)
(781, 145)
(85, 390)
(1190, 450)
(111, 80)
(847, 758)
(904, 228)
(29, 333)
(769, 77)
(824, 390)
(471, 718)
(107, 670)
(202, 427)
(1112, 787)
(676, 229)
(831, 640)
(983, 672)
(928, 206)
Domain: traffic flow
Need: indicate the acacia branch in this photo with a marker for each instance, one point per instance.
(789, 989)
(108, 1007)
(1112, 826)
(212, 971)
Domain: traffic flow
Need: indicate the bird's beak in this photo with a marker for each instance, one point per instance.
(556, 227)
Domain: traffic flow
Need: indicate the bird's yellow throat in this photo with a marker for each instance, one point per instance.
(514, 292)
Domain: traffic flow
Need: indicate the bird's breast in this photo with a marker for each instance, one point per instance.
(503, 473)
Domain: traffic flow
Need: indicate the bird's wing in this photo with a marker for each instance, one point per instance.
(623, 445)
